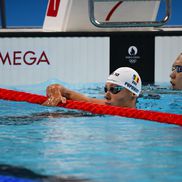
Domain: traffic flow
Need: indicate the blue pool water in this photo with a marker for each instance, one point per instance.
(56, 142)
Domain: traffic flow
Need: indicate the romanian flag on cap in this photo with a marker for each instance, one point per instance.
(136, 78)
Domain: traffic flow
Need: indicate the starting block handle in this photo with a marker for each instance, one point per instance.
(105, 24)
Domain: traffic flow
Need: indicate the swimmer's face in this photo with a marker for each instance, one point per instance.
(176, 74)
(117, 96)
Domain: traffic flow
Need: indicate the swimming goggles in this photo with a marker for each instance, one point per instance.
(177, 68)
(113, 90)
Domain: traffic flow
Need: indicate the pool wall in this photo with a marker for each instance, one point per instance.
(85, 57)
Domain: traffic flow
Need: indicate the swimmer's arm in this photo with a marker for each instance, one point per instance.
(59, 94)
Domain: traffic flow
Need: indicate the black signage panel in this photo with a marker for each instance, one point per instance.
(135, 51)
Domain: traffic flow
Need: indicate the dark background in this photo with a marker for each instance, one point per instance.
(144, 65)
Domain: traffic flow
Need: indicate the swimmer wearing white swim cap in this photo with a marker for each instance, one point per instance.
(122, 88)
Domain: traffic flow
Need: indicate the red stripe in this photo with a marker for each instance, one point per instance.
(113, 10)
(52, 10)
(137, 79)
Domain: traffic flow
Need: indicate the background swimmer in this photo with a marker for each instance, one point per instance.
(176, 75)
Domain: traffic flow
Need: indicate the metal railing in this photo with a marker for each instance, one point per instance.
(126, 24)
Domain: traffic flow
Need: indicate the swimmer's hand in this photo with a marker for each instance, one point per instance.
(55, 95)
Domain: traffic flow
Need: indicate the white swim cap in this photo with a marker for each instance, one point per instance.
(128, 78)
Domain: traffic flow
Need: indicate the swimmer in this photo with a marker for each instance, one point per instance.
(176, 74)
(122, 89)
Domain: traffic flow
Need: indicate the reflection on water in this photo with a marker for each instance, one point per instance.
(160, 99)
(29, 119)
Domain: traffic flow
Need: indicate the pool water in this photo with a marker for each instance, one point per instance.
(86, 147)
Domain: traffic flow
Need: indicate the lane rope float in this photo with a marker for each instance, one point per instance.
(161, 117)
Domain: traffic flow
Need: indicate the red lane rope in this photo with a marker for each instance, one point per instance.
(95, 108)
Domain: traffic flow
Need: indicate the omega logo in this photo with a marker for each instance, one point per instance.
(20, 58)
